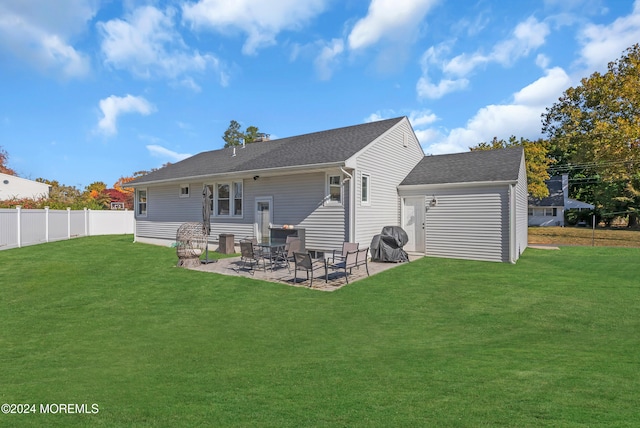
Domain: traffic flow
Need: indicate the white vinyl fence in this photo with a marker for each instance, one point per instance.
(20, 227)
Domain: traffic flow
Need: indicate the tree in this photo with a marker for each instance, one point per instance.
(595, 128)
(598, 122)
(234, 136)
(4, 159)
(536, 157)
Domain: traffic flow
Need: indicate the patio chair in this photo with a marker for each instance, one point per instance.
(303, 261)
(346, 247)
(249, 253)
(353, 259)
(291, 246)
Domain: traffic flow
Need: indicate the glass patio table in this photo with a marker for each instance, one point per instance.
(274, 251)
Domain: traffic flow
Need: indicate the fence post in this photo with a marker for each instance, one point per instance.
(68, 222)
(86, 222)
(46, 224)
(18, 211)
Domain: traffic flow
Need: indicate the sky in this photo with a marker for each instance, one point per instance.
(94, 90)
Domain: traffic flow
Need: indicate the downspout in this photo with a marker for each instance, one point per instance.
(512, 223)
(352, 205)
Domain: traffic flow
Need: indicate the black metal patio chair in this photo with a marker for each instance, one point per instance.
(303, 261)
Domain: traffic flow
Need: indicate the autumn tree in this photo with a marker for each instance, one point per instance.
(537, 161)
(596, 127)
(234, 136)
(4, 159)
(598, 122)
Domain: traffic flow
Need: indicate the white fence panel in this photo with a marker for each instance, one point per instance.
(33, 227)
(8, 228)
(58, 225)
(77, 223)
(110, 222)
(20, 227)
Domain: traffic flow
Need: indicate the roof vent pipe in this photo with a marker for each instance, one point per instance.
(234, 152)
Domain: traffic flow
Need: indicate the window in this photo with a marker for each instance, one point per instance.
(237, 199)
(223, 199)
(543, 212)
(364, 195)
(142, 203)
(335, 189)
(228, 199)
(184, 191)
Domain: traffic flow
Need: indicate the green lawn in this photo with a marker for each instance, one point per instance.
(551, 341)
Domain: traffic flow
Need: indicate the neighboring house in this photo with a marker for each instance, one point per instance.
(12, 187)
(337, 185)
(467, 205)
(549, 211)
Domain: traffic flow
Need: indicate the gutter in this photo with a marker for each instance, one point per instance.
(270, 171)
(456, 185)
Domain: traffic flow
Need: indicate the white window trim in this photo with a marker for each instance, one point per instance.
(368, 201)
(146, 204)
(184, 195)
(232, 200)
(328, 200)
(543, 212)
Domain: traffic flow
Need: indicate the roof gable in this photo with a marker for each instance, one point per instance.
(556, 194)
(468, 167)
(324, 147)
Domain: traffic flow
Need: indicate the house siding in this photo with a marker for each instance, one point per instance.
(17, 187)
(521, 212)
(398, 160)
(297, 199)
(467, 223)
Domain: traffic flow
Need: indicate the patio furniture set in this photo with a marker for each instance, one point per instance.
(277, 254)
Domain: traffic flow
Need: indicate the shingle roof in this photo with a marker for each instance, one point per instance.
(556, 195)
(331, 146)
(468, 167)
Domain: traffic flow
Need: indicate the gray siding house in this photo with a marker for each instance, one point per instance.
(549, 211)
(331, 184)
(346, 184)
(467, 205)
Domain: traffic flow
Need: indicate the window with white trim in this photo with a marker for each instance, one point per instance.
(141, 202)
(184, 191)
(334, 189)
(543, 212)
(237, 198)
(365, 189)
(227, 201)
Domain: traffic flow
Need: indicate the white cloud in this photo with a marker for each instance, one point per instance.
(114, 106)
(544, 91)
(147, 44)
(327, 60)
(162, 152)
(464, 64)
(542, 61)
(260, 20)
(388, 19)
(421, 118)
(420, 121)
(605, 43)
(526, 37)
(520, 118)
(426, 89)
(38, 32)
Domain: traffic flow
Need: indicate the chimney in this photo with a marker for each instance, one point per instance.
(565, 188)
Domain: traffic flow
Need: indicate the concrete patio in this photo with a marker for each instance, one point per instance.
(233, 266)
